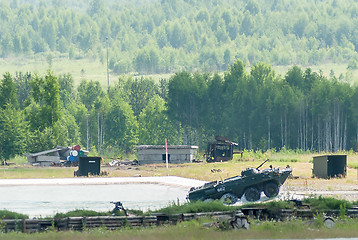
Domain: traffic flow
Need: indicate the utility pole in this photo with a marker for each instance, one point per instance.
(166, 156)
(107, 65)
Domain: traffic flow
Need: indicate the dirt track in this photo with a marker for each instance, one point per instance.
(337, 188)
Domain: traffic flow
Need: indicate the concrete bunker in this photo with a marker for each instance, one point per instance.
(148, 154)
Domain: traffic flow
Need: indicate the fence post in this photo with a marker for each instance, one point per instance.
(24, 225)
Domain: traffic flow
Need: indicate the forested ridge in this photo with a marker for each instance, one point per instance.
(303, 110)
(166, 36)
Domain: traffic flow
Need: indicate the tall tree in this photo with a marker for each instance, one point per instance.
(215, 106)
(122, 127)
(66, 87)
(22, 81)
(136, 91)
(14, 133)
(154, 125)
(93, 97)
(8, 92)
(186, 100)
(43, 108)
(233, 101)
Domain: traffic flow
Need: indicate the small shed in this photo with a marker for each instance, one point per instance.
(148, 154)
(327, 166)
(48, 157)
(89, 165)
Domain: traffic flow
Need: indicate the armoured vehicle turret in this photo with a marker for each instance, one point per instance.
(251, 183)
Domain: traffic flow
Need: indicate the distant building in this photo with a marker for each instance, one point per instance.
(156, 153)
(48, 157)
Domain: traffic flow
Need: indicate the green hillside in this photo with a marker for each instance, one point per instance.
(156, 37)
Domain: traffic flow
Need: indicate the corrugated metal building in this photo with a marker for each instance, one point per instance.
(148, 154)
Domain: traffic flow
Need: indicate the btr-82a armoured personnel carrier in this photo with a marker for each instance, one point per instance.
(251, 183)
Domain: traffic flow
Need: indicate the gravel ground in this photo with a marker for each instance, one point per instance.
(348, 192)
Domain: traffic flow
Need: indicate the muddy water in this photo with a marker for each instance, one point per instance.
(47, 200)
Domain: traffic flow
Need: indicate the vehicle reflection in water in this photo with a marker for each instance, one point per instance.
(43, 201)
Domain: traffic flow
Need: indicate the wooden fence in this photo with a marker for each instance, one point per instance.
(235, 219)
(286, 214)
(25, 225)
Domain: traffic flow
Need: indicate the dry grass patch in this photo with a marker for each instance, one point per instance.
(15, 172)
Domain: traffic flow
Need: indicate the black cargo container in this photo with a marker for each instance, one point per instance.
(89, 165)
(328, 166)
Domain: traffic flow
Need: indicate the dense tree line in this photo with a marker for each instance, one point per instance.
(160, 36)
(42, 112)
(302, 110)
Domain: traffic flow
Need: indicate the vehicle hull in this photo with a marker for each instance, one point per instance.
(238, 185)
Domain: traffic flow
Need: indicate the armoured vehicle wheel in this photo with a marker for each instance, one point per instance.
(252, 194)
(240, 223)
(229, 198)
(209, 200)
(271, 189)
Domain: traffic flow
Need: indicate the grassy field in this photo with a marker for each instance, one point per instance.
(79, 69)
(89, 69)
(17, 172)
(94, 69)
(338, 70)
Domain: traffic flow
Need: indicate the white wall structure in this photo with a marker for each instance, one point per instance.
(148, 154)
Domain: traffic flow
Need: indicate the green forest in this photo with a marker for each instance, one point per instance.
(303, 110)
(220, 57)
(167, 36)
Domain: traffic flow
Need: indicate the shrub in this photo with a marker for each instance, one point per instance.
(19, 160)
(5, 214)
(324, 203)
(353, 165)
(272, 207)
(81, 213)
(195, 207)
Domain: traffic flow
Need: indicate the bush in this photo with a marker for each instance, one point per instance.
(324, 203)
(288, 160)
(272, 207)
(81, 213)
(5, 214)
(195, 207)
(353, 165)
(19, 160)
(352, 64)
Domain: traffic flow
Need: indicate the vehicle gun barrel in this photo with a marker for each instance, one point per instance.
(262, 163)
